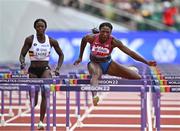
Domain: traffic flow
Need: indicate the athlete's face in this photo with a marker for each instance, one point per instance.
(40, 27)
(105, 32)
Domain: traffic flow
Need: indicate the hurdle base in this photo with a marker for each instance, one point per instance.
(3, 122)
(20, 112)
(154, 122)
(11, 113)
(67, 128)
(79, 123)
(27, 104)
(145, 129)
(54, 128)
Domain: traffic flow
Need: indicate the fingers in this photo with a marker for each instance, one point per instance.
(152, 63)
(22, 66)
(76, 63)
(57, 73)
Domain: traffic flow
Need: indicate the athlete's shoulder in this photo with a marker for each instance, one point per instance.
(89, 38)
(112, 37)
(29, 39)
(116, 42)
(52, 41)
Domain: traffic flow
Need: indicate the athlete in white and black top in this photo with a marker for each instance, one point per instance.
(39, 46)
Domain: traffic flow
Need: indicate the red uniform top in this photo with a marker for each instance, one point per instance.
(101, 50)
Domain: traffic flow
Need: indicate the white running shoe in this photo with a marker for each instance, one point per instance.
(40, 126)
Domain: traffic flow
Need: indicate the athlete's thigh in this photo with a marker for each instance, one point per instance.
(94, 69)
(119, 70)
(46, 74)
(36, 92)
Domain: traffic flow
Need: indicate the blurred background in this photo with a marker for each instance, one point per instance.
(149, 27)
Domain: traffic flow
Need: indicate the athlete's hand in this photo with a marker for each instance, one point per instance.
(23, 70)
(56, 72)
(22, 66)
(77, 61)
(152, 63)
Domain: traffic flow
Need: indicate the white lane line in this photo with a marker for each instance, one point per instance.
(113, 116)
(51, 115)
(170, 116)
(117, 108)
(29, 124)
(113, 125)
(120, 102)
(170, 126)
(170, 108)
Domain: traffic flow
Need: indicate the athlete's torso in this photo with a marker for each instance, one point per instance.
(40, 51)
(100, 51)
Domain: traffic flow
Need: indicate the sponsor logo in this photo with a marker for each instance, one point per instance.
(45, 45)
(109, 82)
(174, 82)
(95, 88)
(175, 89)
(21, 81)
(6, 87)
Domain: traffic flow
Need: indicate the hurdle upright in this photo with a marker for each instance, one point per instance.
(133, 86)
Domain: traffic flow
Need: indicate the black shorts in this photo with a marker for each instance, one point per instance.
(38, 70)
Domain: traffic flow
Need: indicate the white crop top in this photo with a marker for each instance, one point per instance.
(40, 51)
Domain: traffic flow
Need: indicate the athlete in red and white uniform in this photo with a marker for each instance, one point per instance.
(100, 63)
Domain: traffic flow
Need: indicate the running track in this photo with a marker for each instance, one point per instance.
(114, 108)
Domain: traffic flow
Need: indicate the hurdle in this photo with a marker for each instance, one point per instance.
(157, 97)
(31, 85)
(8, 78)
(163, 82)
(139, 87)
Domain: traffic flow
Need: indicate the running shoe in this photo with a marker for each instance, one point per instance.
(95, 100)
(41, 126)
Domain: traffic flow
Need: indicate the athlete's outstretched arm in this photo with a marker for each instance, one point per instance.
(24, 50)
(84, 41)
(58, 50)
(134, 55)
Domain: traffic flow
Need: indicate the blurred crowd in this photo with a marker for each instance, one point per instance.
(166, 12)
(70, 3)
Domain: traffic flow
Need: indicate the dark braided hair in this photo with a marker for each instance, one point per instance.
(37, 20)
(95, 31)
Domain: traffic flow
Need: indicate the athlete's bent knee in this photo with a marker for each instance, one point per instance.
(138, 76)
(135, 77)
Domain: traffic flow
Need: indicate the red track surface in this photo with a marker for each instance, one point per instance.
(111, 97)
